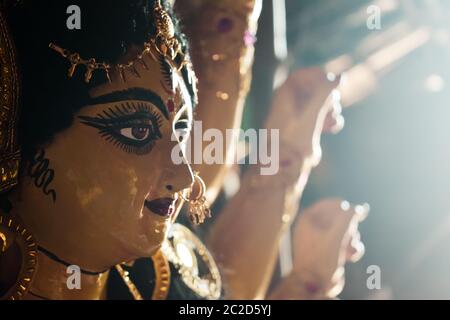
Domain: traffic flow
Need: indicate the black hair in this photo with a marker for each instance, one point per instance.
(49, 99)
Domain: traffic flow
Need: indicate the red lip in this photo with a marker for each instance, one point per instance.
(163, 207)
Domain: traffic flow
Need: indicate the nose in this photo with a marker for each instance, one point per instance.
(177, 177)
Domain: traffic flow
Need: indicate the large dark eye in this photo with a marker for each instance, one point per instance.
(135, 133)
(132, 127)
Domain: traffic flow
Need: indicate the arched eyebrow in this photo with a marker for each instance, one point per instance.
(138, 94)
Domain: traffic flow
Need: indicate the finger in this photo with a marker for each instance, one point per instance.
(355, 249)
(322, 214)
(302, 77)
(346, 229)
(333, 123)
(362, 211)
(345, 220)
(332, 213)
(314, 86)
(338, 284)
(359, 250)
(352, 216)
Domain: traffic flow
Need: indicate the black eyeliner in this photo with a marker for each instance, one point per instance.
(111, 121)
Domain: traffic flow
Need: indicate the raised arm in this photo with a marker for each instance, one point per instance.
(245, 238)
(221, 34)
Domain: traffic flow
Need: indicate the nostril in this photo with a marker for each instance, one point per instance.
(169, 187)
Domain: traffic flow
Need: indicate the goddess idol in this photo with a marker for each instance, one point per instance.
(89, 193)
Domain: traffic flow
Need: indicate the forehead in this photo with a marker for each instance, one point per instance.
(151, 73)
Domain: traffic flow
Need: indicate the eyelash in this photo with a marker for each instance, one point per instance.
(111, 122)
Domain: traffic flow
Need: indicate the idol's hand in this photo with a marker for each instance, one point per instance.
(253, 222)
(325, 237)
(306, 105)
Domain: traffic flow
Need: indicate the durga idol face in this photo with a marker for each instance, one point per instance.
(104, 191)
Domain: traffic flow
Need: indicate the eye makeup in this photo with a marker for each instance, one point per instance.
(131, 126)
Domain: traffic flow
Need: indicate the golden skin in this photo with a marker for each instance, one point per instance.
(99, 218)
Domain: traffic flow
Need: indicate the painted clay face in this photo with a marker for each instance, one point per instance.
(109, 189)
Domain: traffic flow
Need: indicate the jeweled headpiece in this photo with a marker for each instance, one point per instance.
(164, 43)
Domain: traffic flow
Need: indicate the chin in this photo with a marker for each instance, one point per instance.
(144, 247)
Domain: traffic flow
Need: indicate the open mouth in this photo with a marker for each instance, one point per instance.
(163, 207)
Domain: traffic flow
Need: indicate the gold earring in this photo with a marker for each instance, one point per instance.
(198, 207)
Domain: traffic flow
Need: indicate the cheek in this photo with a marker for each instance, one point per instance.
(98, 179)
(101, 190)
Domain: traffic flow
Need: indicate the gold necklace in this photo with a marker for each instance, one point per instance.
(162, 278)
(162, 272)
(125, 275)
(182, 249)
